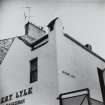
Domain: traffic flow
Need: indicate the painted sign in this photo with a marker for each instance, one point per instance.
(68, 74)
(17, 95)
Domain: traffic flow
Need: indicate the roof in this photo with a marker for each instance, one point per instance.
(38, 27)
(51, 27)
(5, 44)
(26, 39)
(82, 46)
(31, 42)
(4, 47)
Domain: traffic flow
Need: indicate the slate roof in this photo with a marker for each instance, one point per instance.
(28, 40)
(4, 47)
(5, 44)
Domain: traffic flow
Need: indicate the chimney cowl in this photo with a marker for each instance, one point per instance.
(88, 46)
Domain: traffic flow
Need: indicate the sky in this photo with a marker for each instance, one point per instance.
(82, 19)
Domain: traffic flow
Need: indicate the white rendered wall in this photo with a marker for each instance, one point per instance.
(47, 85)
(15, 68)
(79, 64)
(15, 73)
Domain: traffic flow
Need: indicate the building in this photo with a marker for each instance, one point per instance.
(50, 69)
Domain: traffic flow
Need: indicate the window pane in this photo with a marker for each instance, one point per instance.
(33, 76)
(33, 70)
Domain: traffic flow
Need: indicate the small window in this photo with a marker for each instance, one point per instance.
(34, 70)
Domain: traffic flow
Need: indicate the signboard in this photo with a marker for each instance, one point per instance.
(18, 96)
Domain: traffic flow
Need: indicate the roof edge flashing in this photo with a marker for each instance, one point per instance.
(82, 46)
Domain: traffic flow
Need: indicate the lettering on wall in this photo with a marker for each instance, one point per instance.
(68, 74)
(16, 96)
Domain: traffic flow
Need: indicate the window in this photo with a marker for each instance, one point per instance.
(34, 70)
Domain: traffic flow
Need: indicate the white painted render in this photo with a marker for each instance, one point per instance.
(59, 55)
(79, 63)
(15, 73)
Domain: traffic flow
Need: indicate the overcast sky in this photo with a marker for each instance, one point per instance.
(82, 19)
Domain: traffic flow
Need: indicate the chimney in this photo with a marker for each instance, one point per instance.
(88, 46)
(34, 31)
(51, 24)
